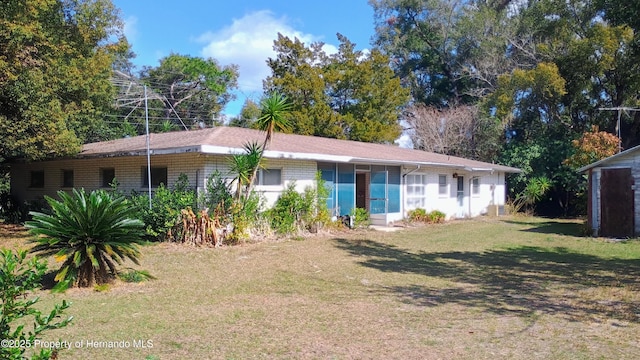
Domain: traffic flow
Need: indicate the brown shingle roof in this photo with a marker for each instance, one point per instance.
(225, 140)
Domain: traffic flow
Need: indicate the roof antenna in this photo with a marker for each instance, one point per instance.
(619, 109)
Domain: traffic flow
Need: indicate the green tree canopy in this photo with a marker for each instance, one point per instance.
(196, 88)
(539, 71)
(55, 65)
(249, 114)
(348, 95)
(183, 92)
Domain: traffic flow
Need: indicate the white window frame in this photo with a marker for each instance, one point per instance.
(104, 182)
(65, 179)
(260, 177)
(475, 186)
(443, 189)
(416, 193)
(37, 179)
(159, 175)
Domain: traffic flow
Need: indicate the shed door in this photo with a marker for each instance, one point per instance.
(616, 203)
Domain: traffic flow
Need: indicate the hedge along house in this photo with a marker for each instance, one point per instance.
(386, 180)
(612, 199)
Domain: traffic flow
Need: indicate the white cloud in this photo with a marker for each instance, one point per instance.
(404, 141)
(131, 28)
(248, 42)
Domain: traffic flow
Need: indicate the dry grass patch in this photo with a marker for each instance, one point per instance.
(489, 288)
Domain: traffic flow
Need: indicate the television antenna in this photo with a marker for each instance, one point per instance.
(620, 110)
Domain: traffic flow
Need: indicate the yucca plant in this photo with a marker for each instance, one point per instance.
(90, 233)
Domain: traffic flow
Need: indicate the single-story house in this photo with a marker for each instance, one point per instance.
(386, 180)
(612, 199)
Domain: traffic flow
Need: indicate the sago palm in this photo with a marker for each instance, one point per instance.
(90, 233)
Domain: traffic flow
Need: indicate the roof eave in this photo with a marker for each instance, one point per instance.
(274, 154)
(143, 152)
(600, 162)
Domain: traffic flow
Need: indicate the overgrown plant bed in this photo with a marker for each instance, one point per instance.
(509, 287)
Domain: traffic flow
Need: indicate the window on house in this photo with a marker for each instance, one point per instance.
(416, 191)
(475, 188)
(442, 184)
(67, 178)
(158, 176)
(269, 177)
(36, 179)
(107, 175)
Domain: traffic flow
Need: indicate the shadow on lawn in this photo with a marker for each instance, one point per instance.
(519, 281)
(549, 227)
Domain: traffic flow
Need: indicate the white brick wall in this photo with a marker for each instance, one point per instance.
(492, 192)
(198, 167)
(302, 172)
(87, 173)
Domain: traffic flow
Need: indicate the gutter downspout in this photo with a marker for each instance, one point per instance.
(404, 188)
(470, 190)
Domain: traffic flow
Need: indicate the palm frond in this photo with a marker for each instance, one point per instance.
(89, 231)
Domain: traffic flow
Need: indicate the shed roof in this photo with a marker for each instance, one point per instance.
(229, 140)
(609, 159)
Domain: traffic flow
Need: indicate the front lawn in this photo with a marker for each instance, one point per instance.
(513, 287)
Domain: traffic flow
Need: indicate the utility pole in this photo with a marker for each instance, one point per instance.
(619, 109)
(146, 118)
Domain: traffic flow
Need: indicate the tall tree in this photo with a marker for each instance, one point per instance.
(348, 95)
(183, 92)
(55, 63)
(460, 131)
(196, 88)
(249, 114)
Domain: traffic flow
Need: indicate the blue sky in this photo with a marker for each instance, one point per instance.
(239, 32)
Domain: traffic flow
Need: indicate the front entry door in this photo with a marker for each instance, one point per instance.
(616, 203)
(362, 190)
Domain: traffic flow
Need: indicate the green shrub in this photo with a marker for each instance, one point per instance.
(418, 215)
(166, 205)
(90, 233)
(322, 212)
(18, 278)
(291, 210)
(436, 217)
(218, 194)
(245, 214)
(360, 217)
(15, 212)
(421, 215)
(135, 276)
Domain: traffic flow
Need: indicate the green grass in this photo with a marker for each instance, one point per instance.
(514, 287)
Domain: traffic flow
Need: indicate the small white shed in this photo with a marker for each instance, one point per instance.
(613, 198)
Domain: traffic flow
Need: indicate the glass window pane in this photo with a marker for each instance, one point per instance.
(37, 179)
(67, 178)
(272, 177)
(107, 175)
(328, 178)
(393, 189)
(346, 188)
(442, 184)
(158, 176)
